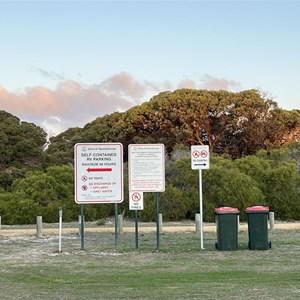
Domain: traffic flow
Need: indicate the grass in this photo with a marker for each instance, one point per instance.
(32, 268)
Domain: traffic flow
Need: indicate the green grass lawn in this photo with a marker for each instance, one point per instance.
(32, 268)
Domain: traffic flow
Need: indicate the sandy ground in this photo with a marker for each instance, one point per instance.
(7, 231)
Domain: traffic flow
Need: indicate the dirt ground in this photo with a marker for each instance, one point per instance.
(151, 227)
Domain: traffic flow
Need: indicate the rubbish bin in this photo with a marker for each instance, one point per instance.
(227, 228)
(257, 217)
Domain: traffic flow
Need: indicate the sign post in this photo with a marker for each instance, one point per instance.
(136, 202)
(146, 172)
(199, 161)
(98, 176)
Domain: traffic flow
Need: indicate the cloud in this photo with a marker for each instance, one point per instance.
(187, 84)
(213, 83)
(51, 74)
(73, 104)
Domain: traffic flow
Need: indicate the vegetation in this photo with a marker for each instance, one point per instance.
(237, 124)
(21, 148)
(254, 160)
(32, 268)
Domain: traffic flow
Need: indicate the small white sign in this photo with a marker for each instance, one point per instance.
(146, 167)
(98, 173)
(200, 157)
(136, 200)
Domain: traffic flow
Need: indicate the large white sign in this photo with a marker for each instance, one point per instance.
(98, 172)
(200, 157)
(136, 200)
(146, 167)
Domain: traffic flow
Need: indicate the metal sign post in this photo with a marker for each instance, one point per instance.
(201, 209)
(116, 227)
(146, 171)
(136, 203)
(82, 226)
(199, 161)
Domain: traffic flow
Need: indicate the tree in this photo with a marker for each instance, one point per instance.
(21, 148)
(283, 193)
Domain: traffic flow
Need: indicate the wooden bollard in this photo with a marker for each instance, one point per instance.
(197, 222)
(272, 220)
(39, 226)
(120, 223)
(160, 222)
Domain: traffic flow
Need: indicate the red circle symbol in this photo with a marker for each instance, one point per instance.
(84, 178)
(196, 154)
(136, 197)
(203, 153)
(84, 187)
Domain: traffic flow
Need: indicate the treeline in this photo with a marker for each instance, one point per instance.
(236, 124)
(271, 179)
(254, 157)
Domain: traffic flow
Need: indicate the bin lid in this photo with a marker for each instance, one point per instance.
(226, 210)
(257, 209)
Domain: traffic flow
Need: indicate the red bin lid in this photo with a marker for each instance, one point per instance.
(257, 209)
(225, 209)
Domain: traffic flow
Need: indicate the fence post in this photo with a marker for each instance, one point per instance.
(59, 229)
(272, 220)
(120, 222)
(197, 222)
(160, 223)
(39, 226)
(0, 222)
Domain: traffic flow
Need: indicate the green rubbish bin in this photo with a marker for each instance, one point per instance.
(227, 228)
(257, 217)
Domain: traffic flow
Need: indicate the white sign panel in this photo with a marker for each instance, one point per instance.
(200, 157)
(146, 167)
(136, 200)
(98, 173)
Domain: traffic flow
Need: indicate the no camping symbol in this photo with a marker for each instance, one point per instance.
(203, 153)
(200, 154)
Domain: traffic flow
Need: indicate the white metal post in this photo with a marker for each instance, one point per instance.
(201, 208)
(60, 229)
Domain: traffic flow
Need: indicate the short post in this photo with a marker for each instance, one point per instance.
(238, 223)
(120, 223)
(79, 224)
(197, 222)
(160, 223)
(0, 222)
(39, 226)
(272, 220)
(60, 229)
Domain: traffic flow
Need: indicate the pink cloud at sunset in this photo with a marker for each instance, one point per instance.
(73, 104)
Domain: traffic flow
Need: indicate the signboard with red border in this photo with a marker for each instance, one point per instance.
(98, 173)
(146, 167)
(136, 200)
(200, 157)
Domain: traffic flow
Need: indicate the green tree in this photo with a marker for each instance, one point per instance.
(283, 193)
(21, 148)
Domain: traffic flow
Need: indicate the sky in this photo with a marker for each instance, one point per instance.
(65, 63)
